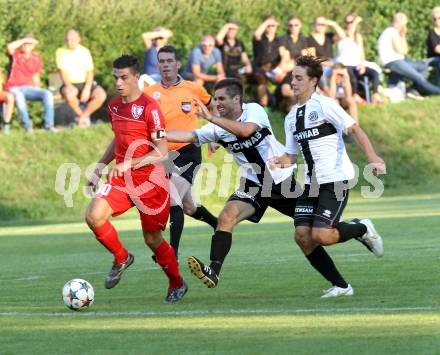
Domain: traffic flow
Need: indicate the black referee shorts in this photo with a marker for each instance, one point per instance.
(277, 197)
(321, 208)
(188, 162)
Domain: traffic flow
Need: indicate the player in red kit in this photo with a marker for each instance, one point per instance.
(138, 178)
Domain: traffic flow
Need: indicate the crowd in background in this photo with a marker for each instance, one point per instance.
(349, 77)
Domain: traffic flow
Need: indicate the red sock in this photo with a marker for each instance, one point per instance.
(107, 236)
(166, 258)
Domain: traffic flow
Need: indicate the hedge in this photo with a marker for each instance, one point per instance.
(112, 27)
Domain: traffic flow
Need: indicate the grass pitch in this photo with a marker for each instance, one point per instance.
(267, 300)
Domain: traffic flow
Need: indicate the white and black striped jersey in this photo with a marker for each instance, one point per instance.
(253, 152)
(316, 129)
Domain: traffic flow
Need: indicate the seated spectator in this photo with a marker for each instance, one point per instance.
(292, 44)
(236, 62)
(340, 90)
(204, 64)
(320, 44)
(266, 56)
(79, 89)
(154, 41)
(7, 103)
(284, 95)
(392, 47)
(433, 40)
(24, 81)
(352, 55)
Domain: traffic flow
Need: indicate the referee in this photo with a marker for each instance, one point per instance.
(175, 97)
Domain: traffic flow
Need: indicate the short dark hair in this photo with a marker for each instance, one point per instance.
(290, 18)
(233, 87)
(169, 49)
(127, 61)
(233, 21)
(312, 65)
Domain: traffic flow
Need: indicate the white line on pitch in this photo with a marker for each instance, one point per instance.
(231, 312)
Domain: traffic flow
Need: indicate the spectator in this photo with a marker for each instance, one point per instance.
(393, 46)
(284, 95)
(154, 41)
(7, 103)
(433, 40)
(292, 44)
(341, 91)
(266, 56)
(320, 44)
(204, 63)
(24, 81)
(236, 62)
(79, 89)
(352, 55)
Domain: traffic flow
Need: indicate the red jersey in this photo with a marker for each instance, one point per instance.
(23, 69)
(134, 124)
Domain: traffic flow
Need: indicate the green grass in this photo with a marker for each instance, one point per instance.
(267, 300)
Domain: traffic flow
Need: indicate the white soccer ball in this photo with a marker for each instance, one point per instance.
(78, 294)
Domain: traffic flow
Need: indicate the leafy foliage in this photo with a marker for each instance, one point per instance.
(111, 27)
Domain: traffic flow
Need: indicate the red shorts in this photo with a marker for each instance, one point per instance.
(152, 199)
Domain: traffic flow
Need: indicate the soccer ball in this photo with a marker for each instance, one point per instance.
(78, 294)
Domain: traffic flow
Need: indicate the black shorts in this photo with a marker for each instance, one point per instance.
(322, 208)
(278, 197)
(80, 88)
(187, 162)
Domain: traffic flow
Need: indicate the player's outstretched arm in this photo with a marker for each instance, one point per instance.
(284, 161)
(363, 140)
(176, 136)
(240, 129)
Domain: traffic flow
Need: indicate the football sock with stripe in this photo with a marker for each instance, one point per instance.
(166, 258)
(348, 231)
(108, 237)
(220, 245)
(177, 221)
(202, 214)
(324, 264)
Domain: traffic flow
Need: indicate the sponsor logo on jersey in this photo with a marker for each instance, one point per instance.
(136, 111)
(304, 210)
(115, 108)
(250, 142)
(320, 131)
(156, 95)
(308, 133)
(327, 213)
(186, 106)
(313, 116)
(292, 126)
(156, 118)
